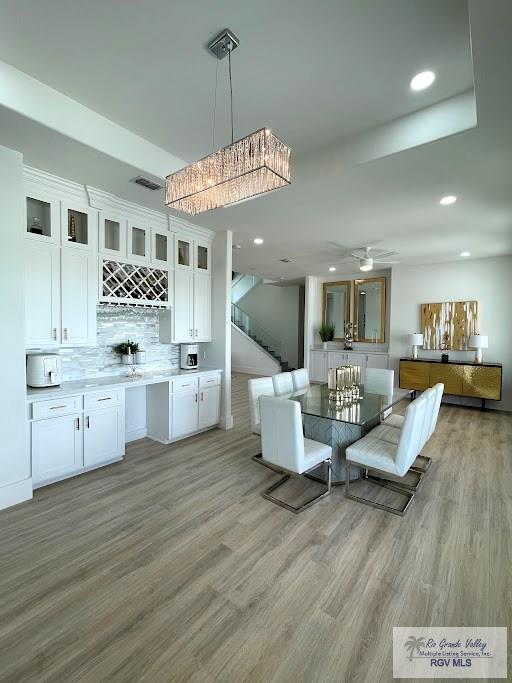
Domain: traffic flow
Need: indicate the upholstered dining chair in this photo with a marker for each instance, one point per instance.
(283, 383)
(284, 447)
(380, 381)
(260, 386)
(385, 458)
(300, 379)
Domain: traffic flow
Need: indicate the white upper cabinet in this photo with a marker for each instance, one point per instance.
(183, 306)
(112, 236)
(202, 307)
(42, 294)
(162, 242)
(78, 297)
(184, 253)
(202, 256)
(79, 226)
(139, 243)
(42, 218)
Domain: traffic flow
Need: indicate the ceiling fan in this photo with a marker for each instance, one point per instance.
(368, 256)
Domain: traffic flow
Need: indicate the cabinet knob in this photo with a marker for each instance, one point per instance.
(65, 333)
(196, 398)
(202, 396)
(88, 422)
(196, 332)
(54, 333)
(191, 332)
(77, 424)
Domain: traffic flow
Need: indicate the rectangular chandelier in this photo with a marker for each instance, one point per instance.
(248, 167)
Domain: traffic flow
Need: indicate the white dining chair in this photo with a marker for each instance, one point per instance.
(386, 458)
(284, 447)
(260, 386)
(380, 381)
(300, 379)
(283, 383)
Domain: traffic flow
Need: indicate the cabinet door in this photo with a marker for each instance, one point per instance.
(185, 412)
(112, 236)
(79, 226)
(103, 435)
(318, 369)
(42, 218)
(202, 256)
(161, 248)
(184, 253)
(139, 243)
(414, 374)
(78, 297)
(336, 358)
(42, 294)
(380, 362)
(209, 407)
(202, 307)
(57, 447)
(183, 306)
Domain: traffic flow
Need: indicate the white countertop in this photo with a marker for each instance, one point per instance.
(112, 381)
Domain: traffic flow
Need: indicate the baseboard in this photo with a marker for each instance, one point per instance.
(16, 493)
(135, 434)
(226, 422)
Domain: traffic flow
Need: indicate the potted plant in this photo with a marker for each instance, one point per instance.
(127, 350)
(326, 332)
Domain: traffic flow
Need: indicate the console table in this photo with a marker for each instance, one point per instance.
(460, 378)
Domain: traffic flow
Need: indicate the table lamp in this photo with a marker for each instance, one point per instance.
(415, 339)
(478, 342)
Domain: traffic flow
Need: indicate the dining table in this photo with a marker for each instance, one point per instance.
(339, 423)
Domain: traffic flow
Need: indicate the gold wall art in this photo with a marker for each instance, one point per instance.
(448, 325)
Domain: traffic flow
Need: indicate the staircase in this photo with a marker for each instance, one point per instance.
(257, 333)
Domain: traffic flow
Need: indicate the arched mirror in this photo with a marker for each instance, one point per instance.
(337, 306)
(370, 309)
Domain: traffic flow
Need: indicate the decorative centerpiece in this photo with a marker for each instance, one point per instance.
(343, 383)
(326, 332)
(350, 333)
(127, 351)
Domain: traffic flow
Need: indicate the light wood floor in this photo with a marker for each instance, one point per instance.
(171, 567)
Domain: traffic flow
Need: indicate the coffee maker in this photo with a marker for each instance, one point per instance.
(188, 356)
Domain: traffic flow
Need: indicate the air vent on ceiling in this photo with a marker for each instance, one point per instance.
(285, 260)
(147, 183)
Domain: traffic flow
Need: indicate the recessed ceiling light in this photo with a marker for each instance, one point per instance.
(258, 240)
(449, 199)
(465, 253)
(332, 269)
(423, 80)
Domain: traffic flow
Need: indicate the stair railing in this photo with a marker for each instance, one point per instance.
(256, 331)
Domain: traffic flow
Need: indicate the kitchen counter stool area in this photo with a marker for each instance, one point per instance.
(72, 432)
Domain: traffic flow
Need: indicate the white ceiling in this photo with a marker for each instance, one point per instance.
(317, 73)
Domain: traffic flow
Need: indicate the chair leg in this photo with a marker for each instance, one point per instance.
(424, 469)
(399, 486)
(366, 501)
(259, 459)
(267, 493)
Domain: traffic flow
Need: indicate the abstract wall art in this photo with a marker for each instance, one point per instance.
(448, 325)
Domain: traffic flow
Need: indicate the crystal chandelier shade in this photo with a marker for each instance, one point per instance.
(258, 163)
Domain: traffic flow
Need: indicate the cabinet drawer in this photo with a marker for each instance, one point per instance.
(102, 399)
(56, 407)
(209, 380)
(184, 384)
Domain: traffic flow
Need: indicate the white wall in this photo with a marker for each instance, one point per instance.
(247, 356)
(488, 281)
(276, 309)
(218, 352)
(15, 474)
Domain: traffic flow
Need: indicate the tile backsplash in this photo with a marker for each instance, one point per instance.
(117, 324)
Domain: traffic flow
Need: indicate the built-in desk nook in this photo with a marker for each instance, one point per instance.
(460, 378)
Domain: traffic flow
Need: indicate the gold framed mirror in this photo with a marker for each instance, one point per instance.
(336, 308)
(370, 309)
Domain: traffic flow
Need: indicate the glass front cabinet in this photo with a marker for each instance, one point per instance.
(162, 242)
(112, 236)
(139, 239)
(42, 218)
(184, 252)
(202, 256)
(79, 226)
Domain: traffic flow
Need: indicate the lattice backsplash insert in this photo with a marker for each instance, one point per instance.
(130, 284)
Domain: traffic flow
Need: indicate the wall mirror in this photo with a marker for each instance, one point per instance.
(337, 306)
(370, 309)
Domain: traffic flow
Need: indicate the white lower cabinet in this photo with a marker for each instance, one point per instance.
(318, 366)
(321, 361)
(57, 447)
(103, 435)
(209, 407)
(184, 413)
(69, 444)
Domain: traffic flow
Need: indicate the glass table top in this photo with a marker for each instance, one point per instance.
(315, 401)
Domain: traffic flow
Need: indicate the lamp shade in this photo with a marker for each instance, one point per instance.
(416, 339)
(478, 341)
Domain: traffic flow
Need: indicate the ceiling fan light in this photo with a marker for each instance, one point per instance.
(366, 264)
